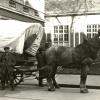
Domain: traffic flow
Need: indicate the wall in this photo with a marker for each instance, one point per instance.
(18, 12)
(38, 5)
(79, 25)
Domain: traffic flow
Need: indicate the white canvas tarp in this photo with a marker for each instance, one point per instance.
(13, 34)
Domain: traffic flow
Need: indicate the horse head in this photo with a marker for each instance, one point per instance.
(93, 45)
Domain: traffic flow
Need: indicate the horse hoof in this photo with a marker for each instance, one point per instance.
(51, 89)
(84, 91)
(12, 89)
(3, 88)
(41, 85)
(57, 87)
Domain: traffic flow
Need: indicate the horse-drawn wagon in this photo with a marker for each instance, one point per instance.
(24, 39)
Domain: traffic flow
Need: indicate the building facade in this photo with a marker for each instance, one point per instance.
(67, 28)
(62, 34)
(19, 10)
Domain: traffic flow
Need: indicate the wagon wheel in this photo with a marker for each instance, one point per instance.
(18, 77)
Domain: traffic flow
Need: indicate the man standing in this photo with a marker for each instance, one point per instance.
(41, 63)
(7, 62)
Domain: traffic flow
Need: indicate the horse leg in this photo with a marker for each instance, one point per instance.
(50, 84)
(83, 78)
(40, 81)
(11, 78)
(55, 83)
(2, 85)
(53, 77)
(12, 85)
(3, 82)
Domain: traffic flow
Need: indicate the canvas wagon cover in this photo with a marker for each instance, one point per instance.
(13, 33)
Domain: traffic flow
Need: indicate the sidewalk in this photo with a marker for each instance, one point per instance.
(92, 80)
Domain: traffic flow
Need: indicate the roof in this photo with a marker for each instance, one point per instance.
(64, 7)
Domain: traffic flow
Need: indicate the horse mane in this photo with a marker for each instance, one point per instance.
(90, 46)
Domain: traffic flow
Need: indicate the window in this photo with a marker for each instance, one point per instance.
(60, 37)
(92, 30)
(61, 34)
(89, 28)
(55, 37)
(55, 29)
(89, 35)
(48, 37)
(66, 38)
(36, 12)
(60, 29)
(66, 29)
(12, 3)
(25, 9)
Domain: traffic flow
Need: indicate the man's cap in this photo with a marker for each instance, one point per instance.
(6, 48)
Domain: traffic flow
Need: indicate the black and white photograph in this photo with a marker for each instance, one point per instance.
(49, 49)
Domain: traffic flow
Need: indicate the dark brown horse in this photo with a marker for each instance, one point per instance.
(80, 57)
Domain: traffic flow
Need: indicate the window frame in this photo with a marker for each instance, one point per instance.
(25, 9)
(92, 30)
(63, 33)
(12, 3)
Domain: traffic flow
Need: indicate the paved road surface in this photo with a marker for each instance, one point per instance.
(35, 93)
(28, 91)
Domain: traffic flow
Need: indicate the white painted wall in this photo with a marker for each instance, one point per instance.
(52, 21)
(81, 22)
(79, 25)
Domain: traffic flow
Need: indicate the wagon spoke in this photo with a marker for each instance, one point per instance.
(18, 78)
(16, 81)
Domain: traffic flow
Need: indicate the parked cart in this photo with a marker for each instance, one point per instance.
(24, 40)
